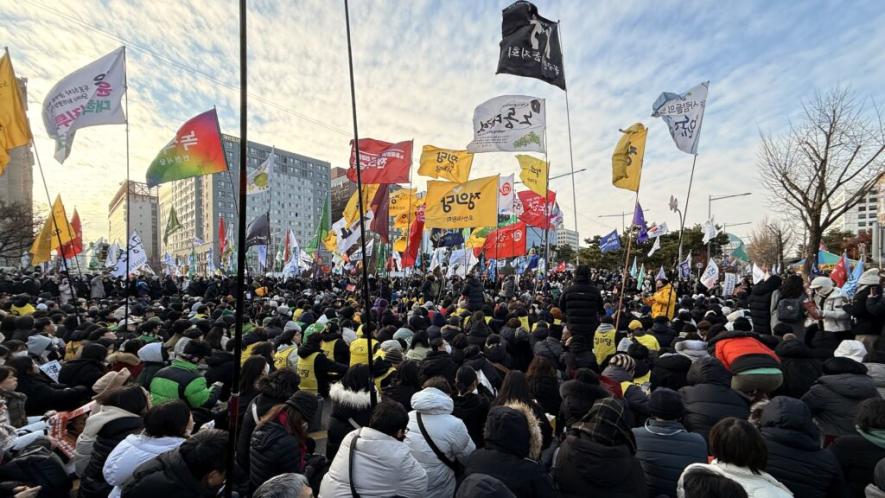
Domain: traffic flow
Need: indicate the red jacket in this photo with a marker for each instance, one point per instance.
(741, 351)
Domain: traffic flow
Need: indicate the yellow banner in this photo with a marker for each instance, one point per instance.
(13, 121)
(399, 245)
(462, 205)
(447, 164)
(351, 210)
(627, 158)
(56, 227)
(533, 173)
(403, 200)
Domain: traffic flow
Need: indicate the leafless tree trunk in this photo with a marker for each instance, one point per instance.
(836, 146)
(18, 227)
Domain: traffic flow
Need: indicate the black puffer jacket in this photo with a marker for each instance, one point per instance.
(582, 305)
(82, 372)
(166, 476)
(551, 349)
(801, 369)
(438, 363)
(670, 371)
(545, 390)
(663, 333)
(864, 321)
(474, 294)
(834, 398)
(665, 449)
(350, 410)
(579, 355)
(708, 397)
(759, 303)
(44, 395)
(472, 409)
(587, 468)
(274, 452)
(795, 457)
(478, 333)
(271, 393)
(92, 482)
(857, 457)
(221, 368)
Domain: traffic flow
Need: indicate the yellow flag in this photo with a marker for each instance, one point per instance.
(477, 238)
(400, 244)
(331, 242)
(462, 205)
(533, 173)
(351, 210)
(627, 158)
(14, 131)
(403, 200)
(447, 164)
(56, 227)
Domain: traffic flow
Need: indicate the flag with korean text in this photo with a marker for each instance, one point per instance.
(533, 173)
(506, 242)
(710, 277)
(194, 151)
(446, 164)
(14, 128)
(627, 158)
(381, 162)
(684, 115)
(462, 205)
(135, 255)
(90, 96)
(530, 45)
(509, 123)
(610, 242)
(532, 209)
(259, 179)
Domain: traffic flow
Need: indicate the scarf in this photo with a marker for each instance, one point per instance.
(875, 436)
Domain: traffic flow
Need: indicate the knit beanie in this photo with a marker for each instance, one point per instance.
(624, 362)
(665, 404)
(304, 403)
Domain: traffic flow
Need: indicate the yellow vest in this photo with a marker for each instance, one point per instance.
(328, 347)
(378, 380)
(247, 352)
(603, 345)
(649, 341)
(25, 310)
(307, 371)
(359, 351)
(281, 358)
(642, 380)
(524, 321)
(72, 350)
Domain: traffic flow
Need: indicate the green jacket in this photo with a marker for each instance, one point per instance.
(180, 380)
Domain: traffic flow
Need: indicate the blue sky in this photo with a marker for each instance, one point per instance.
(422, 66)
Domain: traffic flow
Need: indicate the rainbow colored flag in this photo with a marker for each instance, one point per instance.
(195, 151)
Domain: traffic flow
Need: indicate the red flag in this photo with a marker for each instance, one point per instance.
(415, 233)
(840, 273)
(506, 242)
(533, 208)
(380, 206)
(75, 246)
(381, 162)
(222, 240)
(560, 268)
(286, 248)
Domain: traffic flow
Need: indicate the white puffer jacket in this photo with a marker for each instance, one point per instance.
(834, 317)
(133, 451)
(383, 467)
(761, 485)
(448, 433)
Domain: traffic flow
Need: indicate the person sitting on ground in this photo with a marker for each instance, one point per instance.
(181, 379)
(859, 452)
(284, 486)
(708, 397)
(704, 483)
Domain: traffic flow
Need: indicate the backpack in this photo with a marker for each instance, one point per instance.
(789, 310)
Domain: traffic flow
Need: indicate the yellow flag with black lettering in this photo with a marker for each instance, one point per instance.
(14, 131)
(351, 210)
(447, 164)
(402, 201)
(56, 232)
(627, 158)
(462, 205)
(533, 173)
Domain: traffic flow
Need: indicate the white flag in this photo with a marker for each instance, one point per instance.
(210, 263)
(758, 274)
(509, 123)
(684, 115)
(505, 195)
(113, 253)
(136, 256)
(259, 179)
(437, 259)
(461, 261)
(710, 277)
(658, 230)
(89, 96)
(655, 246)
(729, 284)
(710, 231)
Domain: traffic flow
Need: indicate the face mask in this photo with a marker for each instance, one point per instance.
(448, 348)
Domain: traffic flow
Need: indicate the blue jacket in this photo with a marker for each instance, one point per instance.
(664, 448)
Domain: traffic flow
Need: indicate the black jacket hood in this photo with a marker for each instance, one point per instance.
(708, 371)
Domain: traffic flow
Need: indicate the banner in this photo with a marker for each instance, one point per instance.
(14, 129)
(506, 242)
(403, 201)
(729, 284)
(627, 157)
(90, 96)
(532, 210)
(505, 195)
(461, 262)
(509, 123)
(710, 277)
(75, 246)
(639, 221)
(530, 45)
(656, 231)
(381, 162)
(259, 179)
(258, 231)
(194, 151)
(684, 115)
(533, 173)
(351, 211)
(414, 243)
(56, 232)
(610, 242)
(462, 205)
(136, 256)
(448, 164)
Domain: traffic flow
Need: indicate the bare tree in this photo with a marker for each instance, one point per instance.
(836, 146)
(769, 241)
(18, 226)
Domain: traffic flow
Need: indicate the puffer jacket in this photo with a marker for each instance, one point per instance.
(636, 398)
(708, 397)
(221, 369)
(86, 441)
(801, 369)
(835, 319)
(82, 372)
(43, 395)
(472, 409)
(382, 466)
(577, 399)
(166, 476)
(350, 410)
(665, 448)
(865, 322)
(587, 468)
(112, 432)
(877, 372)
(448, 433)
(582, 305)
(834, 398)
(15, 407)
(270, 394)
(545, 390)
(663, 332)
(795, 457)
(130, 454)
(741, 351)
(760, 485)
(151, 356)
(551, 349)
(760, 304)
(693, 349)
(858, 457)
(670, 371)
(663, 302)
(273, 452)
(474, 293)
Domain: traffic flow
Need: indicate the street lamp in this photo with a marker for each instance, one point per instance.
(710, 199)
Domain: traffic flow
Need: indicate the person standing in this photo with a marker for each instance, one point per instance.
(582, 305)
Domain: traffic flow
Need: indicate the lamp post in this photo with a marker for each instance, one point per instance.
(710, 199)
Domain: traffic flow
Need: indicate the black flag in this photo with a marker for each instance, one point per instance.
(258, 231)
(530, 45)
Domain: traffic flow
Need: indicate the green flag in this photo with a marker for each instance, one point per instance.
(172, 225)
(641, 279)
(322, 229)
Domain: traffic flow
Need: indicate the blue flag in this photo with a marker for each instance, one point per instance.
(662, 275)
(610, 242)
(850, 286)
(533, 262)
(451, 239)
(639, 221)
(634, 271)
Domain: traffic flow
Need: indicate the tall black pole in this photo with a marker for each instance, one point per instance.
(234, 402)
(367, 317)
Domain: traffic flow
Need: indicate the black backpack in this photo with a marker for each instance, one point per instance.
(789, 310)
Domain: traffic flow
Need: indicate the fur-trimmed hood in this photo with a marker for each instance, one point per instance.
(513, 428)
(358, 400)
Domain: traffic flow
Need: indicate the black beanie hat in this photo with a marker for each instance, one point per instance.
(665, 404)
(304, 403)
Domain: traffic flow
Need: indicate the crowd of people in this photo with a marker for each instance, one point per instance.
(441, 387)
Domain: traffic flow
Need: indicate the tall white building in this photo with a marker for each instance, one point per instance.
(564, 236)
(299, 188)
(143, 218)
(860, 217)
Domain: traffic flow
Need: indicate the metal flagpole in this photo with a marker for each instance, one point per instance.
(685, 212)
(76, 261)
(359, 187)
(128, 205)
(547, 209)
(234, 402)
(571, 154)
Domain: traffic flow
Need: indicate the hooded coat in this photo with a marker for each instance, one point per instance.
(799, 366)
(795, 457)
(835, 397)
(350, 410)
(472, 409)
(130, 454)
(151, 356)
(760, 303)
(760, 485)
(167, 476)
(670, 371)
(708, 397)
(582, 305)
(103, 432)
(513, 443)
(857, 457)
(85, 370)
(44, 395)
(448, 433)
(270, 394)
(664, 449)
(221, 369)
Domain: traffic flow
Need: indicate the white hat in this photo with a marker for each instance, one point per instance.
(869, 277)
(854, 350)
(825, 284)
(42, 307)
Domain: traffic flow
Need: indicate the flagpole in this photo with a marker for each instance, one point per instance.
(571, 155)
(128, 205)
(546, 211)
(234, 401)
(627, 258)
(76, 261)
(685, 211)
(373, 397)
